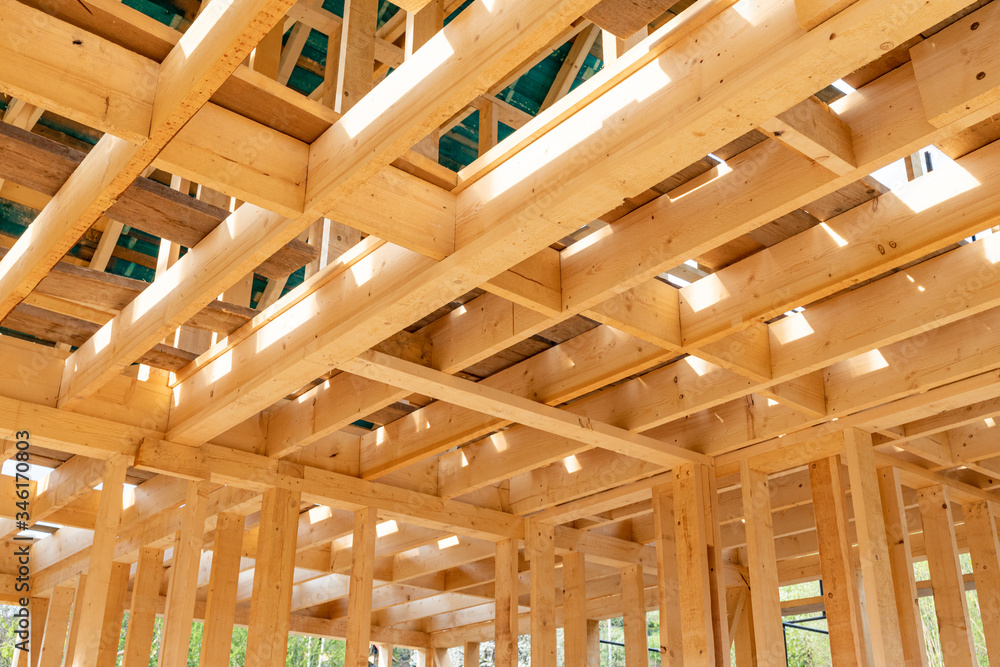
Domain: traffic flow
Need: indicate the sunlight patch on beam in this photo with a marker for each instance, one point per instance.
(866, 362)
(791, 328)
(706, 292)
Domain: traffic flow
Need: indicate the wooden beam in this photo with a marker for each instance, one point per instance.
(570, 68)
(53, 641)
(357, 53)
(668, 593)
(111, 627)
(470, 657)
(422, 25)
(91, 608)
(814, 130)
(362, 573)
(220, 608)
(540, 542)
(176, 638)
(814, 12)
(574, 582)
(39, 614)
(142, 612)
(950, 605)
(634, 617)
(840, 601)
(911, 626)
(506, 605)
(761, 558)
(981, 533)
(274, 566)
(873, 548)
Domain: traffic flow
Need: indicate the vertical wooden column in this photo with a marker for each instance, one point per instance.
(142, 612)
(488, 125)
(574, 580)
(176, 639)
(53, 639)
(471, 655)
(950, 605)
(634, 617)
(385, 655)
(763, 565)
(74, 621)
(39, 613)
(981, 534)
(699, 567)
(541, 540)
(744, 639)
(505, 618)
(220, 608)
(911, 627)
(359, 618)
(266, 58)
(273, 575)
(357, 52)
(102, 551)
(111, 630)
(873, 549)
(594, 644)
(422, 25)
(840, 595)
(666, 568)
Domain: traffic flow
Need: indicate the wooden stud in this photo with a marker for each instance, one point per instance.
(385, 655)
(488, 129)
(540, 539)
(39, 615)
(359, 619)
(274, 568)
(53, 641)
(99, 573)
(142, 612)
(292, 50)
(111, 628)
(950, 605)
(671, 642)
(182, 589)
(911, 627)
(470, 657)
(593, 644)
(506, 607)
(220, 608)
(839, 579)
(357, 53)
(762, 565)
(75, 621)
(873, 549)
(634, 617)
(744, 639)
(981, 533)
(266, 58)
(574, 608)
(421, 26)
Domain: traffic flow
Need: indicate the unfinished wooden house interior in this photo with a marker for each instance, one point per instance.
(464, 332)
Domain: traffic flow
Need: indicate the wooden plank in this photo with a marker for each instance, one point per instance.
(540, 542)
(634, 617)
(53, 641)
(981, 533)
(873, 549)
(574, 583)
(470, 657)
(761, 561)
(39, 614)
(91, 609)
(142, 612)
(274, 567)
(950, 604)
(624, 17)
(840, 600)
(668, 594)
(111, 628)
(506, 605)
(220, 608)
(175, 640)
(362, 573)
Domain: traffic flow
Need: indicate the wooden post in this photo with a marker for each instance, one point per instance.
(763, 565)
(488, 128)
(53, 639)
(111, 630)
(745, 641)
(274, 569)
(981, 533)
(471, 655)
(873, 550)
(505, 619)
(699, 566)
(142, 612)
(74, 621)
(357, 52)
(542, 545)
(840, 592)
(593, 643)
(634, 617)
(666, 568)
(385, 655)
(39, 614)
(950, 605)
(266, 58)
(359, 619)
(911, 627)
(422, 25)
(220, 608)
(91, 611)
(183, 587)
(574, 581)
